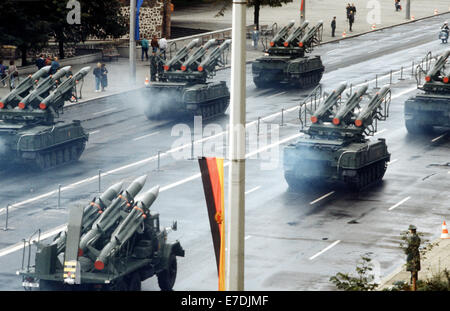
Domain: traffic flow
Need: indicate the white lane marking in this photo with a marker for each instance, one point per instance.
(399, 203)
(393, 161)
(437, 138)
(325, 249)
(252, 190)
(275, 95)
(247, 237)
(94, 132)
(145, 136)
(45, 235)
(321, 198)
(379, 132)
(104, 111)
(404, 92)
(165, 188)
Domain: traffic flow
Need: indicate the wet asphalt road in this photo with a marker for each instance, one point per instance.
(294, 240)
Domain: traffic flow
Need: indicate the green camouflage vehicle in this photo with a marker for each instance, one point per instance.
(334, 147)
(114, 243)
(182, 88)
(286, 62)
(430, 108)
(29, 133)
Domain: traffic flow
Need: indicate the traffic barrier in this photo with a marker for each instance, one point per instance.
(344, 34)
(147, 82)
(436, 12)
(444, 234)
(373, 27)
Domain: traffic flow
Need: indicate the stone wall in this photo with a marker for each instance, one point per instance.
(154, 18)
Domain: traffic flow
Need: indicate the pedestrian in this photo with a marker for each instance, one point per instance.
(54, 66)
(40, 62)
(413, 254)
(48, 61)
(13, 74)
(348, 9)
(144, 45)
(104, 78)
(163, 47)
(154, 43)
(333, 27)
(255, 37)
(353, 8)
(98, 77)
(3, 74)
(351, 20)
(398, 6)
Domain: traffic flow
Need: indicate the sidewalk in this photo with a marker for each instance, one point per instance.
(436, 260)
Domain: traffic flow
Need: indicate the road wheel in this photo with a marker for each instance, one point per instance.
(166, 278)
(134, 283)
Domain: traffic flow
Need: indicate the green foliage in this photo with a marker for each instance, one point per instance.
(363, 281)
(438, 282)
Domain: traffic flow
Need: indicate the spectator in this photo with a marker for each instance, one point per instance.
(255, 37)
(13, 74)
(54, 66)
(104, 78)
(333, 27)
(351, 20)
(144, 44)
(98, 77)
(3, 74)
(154, 43)
(40, 62)
(398, 6)
(163, 46)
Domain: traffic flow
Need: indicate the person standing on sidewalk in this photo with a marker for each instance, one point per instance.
(163, 47)
(255, 37)
(3, 74)
(104, 77)
(144, 45)
(155, 44)
(413, 254)
(348, 9)
(98, 77)
(333, 27)
(13, 74)
(40, 62)
(398, 6)
(353, 9)
(54, 66)
(351, 20)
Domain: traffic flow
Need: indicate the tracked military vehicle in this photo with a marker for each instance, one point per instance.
(183, 87)
(334, 147)
(114, 243)
(286, 60)
(30, 133)
(431, 107)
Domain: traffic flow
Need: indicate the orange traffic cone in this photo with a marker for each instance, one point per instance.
(374, 27)
(413, 18)
(444, 234)
(147, 81)
(344, 34)
(435, 11)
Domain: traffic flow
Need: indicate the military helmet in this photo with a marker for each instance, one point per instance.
(412, 227)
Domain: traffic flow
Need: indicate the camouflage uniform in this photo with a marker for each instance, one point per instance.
(412, 252)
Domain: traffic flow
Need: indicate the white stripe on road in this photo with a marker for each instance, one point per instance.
(325, 249)
(145, 136)
(392, 162)
(437, 138)
(104, 111)
(252, 190)
(321, 198)
(275, 95)
(379, 132)
(399, 203)
(94, 132)
(247, 237)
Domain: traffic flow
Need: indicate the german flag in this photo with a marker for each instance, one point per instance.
(212, 177)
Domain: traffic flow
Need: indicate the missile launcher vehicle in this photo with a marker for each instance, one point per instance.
(334, 147)
(183, 87)
(114, 243)
(431, 107)
(286, 60)
(30, 135)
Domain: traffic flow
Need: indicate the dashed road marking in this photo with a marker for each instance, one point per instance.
(399, 203)
(252, 190)
(325, 249)
(321, 198)
(145, 136)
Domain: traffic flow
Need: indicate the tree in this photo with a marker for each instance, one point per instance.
(257, 4)
(100, 18)
(23, 25)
